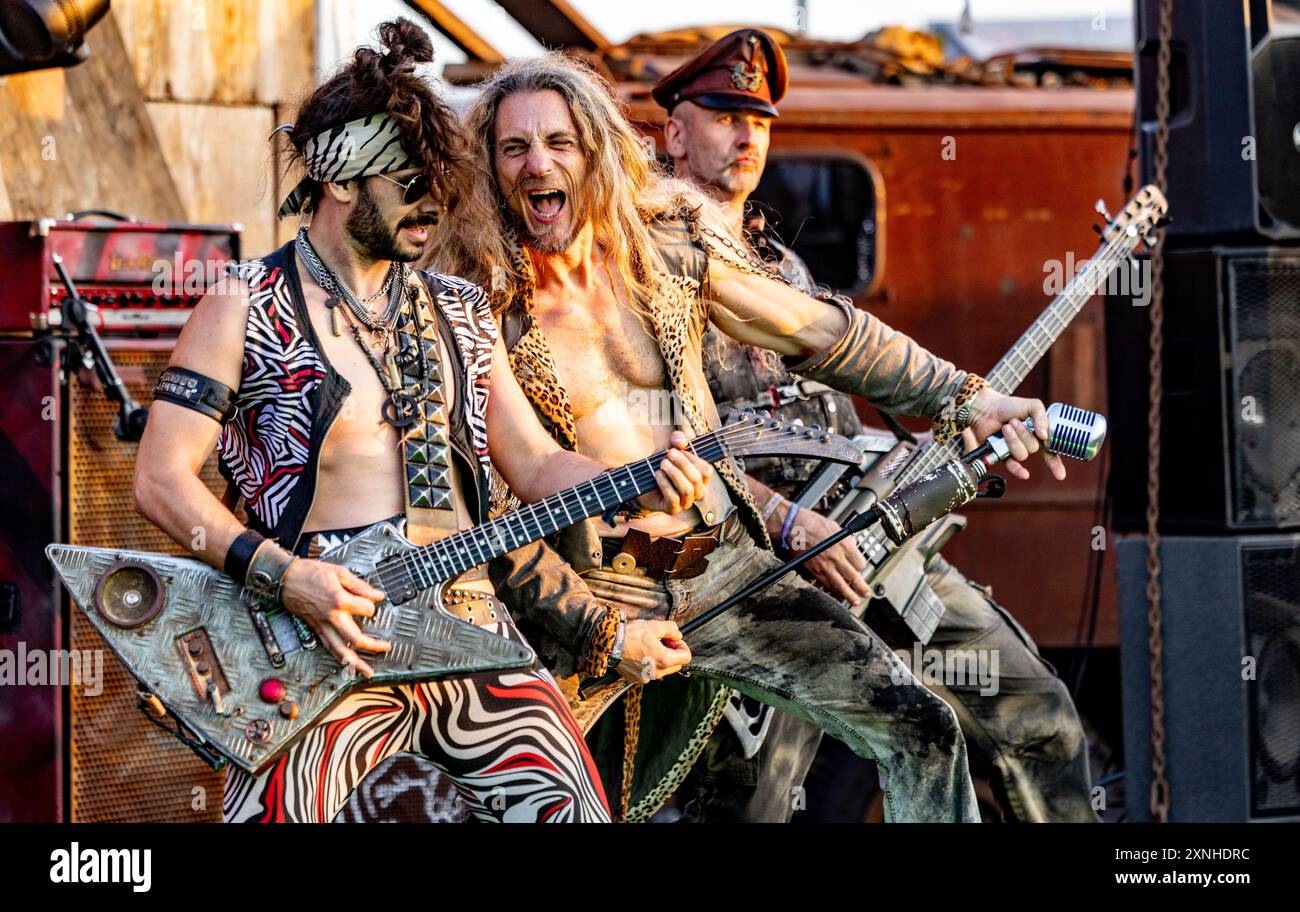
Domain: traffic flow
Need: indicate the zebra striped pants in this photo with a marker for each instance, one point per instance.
(506, 740)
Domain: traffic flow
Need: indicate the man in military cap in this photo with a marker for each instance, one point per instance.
(1027, 738)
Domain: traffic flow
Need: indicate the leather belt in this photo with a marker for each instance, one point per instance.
(664, 557)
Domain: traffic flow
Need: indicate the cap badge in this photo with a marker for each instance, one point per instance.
(746, 79)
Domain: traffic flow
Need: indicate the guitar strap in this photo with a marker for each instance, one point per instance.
(432, 509)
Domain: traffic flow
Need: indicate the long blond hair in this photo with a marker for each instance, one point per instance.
(624, 187)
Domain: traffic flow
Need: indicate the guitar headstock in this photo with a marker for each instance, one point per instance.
(1140, 218)
(751, 433)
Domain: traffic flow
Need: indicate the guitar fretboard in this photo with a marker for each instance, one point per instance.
(1029, 349)
(450, 556)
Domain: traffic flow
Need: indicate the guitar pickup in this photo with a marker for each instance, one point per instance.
(200, 661)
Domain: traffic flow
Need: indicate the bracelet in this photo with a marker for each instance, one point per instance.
(604, 639)
(616, 654)
(241, 554)
(788, 525)
(266, 572)
(770, 507)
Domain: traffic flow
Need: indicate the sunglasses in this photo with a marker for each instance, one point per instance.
(414, 190)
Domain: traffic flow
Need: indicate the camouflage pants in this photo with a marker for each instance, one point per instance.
(795, 648)
(1026, 736)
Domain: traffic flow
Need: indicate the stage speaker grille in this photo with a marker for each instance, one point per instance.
(1271, 583)
(1264, 315)
(122, 767)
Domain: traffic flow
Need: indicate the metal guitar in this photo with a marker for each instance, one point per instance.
(245, 684)
(902, 607)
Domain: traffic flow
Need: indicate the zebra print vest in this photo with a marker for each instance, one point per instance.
(289, 395)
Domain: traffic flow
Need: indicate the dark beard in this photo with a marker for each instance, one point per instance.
(374, 239)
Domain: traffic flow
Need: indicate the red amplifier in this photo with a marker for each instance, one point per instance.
(138, 277)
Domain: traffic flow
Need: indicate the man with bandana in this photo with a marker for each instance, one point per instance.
(343, 388)
(1026, 737)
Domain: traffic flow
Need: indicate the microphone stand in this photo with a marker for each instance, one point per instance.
(131, 416)
(853, 524)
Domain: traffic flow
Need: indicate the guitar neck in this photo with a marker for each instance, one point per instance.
(1010, 372)
(450, 556)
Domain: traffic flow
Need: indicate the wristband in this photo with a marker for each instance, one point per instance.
(605, 638)
(241, 554)
(955, 418)
(788, 525)
(770, 507)
(266, 572)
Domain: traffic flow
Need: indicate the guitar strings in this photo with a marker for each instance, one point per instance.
(416, 561)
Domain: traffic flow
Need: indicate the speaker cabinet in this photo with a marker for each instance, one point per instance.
(1231, 676)
(1230, 425)
(121, 766)
(1234, 124)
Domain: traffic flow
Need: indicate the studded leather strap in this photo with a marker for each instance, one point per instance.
(426, 447)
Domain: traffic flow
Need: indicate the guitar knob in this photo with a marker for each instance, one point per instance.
(258, 731)
(272, 690)
(289, 709)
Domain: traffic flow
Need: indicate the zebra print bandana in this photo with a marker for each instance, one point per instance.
(358, 148)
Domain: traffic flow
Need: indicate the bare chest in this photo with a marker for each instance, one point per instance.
(601, 350)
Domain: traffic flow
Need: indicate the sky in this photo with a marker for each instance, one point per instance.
(349, 22)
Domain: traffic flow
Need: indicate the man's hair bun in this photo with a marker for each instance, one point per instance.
(404, 40)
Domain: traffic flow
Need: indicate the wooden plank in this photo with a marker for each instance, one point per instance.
(285, 229)
(6, 210)
(555, 24)
(223, 51)
(81, 139)
(221, 164)
(457, 31)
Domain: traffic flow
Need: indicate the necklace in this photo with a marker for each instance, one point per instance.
(400, 407)
(339, 292)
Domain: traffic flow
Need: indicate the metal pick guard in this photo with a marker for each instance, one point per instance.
(427, 642)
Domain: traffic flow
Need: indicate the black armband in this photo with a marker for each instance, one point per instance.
(195, 391)
(240, 554)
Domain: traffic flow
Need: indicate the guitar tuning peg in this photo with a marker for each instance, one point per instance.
(1102, 211)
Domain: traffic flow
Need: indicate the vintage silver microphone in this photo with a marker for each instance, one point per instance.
(1073, 432)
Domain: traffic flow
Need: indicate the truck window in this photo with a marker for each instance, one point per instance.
(824, 206)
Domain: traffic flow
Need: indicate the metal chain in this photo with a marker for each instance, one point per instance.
(1155, 368)
(326, 278)
(745, 260)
